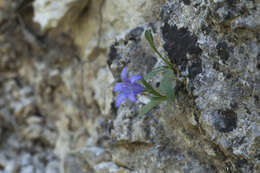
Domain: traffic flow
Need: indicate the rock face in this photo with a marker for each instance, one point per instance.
(60, 59)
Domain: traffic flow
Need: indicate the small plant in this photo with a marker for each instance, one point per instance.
(166, 88)
(129, 88)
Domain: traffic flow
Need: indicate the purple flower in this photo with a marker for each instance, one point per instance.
(128, 88)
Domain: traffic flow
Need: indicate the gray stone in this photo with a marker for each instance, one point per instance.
(27, 169)
(59, 61)
(52, 167)
(11, 167)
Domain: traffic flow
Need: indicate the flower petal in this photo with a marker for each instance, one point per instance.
(118, 86)
(135, 78)
(124, 74)
(137, 88)
(120, 98)
(131, 97)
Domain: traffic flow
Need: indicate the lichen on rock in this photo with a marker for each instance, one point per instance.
(60, 59)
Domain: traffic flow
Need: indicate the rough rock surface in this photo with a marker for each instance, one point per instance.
(60, 59)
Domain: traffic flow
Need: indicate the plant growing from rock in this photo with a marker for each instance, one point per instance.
(167, 83)
(129, 87)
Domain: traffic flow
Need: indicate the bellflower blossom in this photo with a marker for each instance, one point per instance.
(128, 88)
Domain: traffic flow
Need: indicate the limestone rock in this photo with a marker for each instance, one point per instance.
(49, 13)
(57, 111)
(223, 82)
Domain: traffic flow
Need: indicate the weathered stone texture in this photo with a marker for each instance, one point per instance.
(59, 60)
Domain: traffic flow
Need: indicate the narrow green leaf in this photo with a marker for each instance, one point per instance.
(154, 102)
(166, 84)
(155, 71)
(149, 88)
(149, 38)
